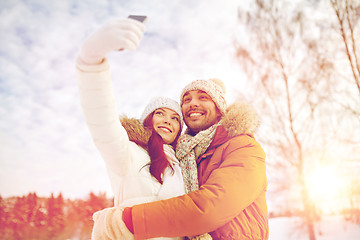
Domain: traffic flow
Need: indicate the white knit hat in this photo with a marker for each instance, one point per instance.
(215, 88)
(162, 102)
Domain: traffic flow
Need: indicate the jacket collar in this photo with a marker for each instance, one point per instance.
(240, 118)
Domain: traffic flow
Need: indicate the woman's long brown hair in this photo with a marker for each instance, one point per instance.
(158, 162)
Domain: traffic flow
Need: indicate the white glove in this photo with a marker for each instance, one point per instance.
(115, 35)
(108, 225)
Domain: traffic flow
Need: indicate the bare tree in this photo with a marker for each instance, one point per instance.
(348, 14)
(288, 52)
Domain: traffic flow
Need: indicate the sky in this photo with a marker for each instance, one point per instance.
(45, 146)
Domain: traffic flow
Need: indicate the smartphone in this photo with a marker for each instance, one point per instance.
(139, 18)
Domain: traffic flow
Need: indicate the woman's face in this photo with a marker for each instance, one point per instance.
(166, 123)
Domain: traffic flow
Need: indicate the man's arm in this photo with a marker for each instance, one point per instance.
(238, 182)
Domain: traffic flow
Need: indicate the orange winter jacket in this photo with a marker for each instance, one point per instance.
(230, 203)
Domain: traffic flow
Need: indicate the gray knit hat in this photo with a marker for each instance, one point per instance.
(215, 88)
(162, 102)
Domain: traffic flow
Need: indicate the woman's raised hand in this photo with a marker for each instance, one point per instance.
(115, 35)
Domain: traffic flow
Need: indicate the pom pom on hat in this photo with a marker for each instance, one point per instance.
(161, 102)
(218, 82)
(214, 87)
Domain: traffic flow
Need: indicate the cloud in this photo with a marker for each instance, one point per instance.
(45, 146)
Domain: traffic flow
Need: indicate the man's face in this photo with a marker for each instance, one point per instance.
(199, 111)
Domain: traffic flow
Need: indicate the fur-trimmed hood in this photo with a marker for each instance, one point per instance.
(136, 131)
(239, 118)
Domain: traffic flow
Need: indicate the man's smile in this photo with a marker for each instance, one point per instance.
(195, 114)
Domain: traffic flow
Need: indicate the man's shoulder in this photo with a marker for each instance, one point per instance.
(241, 138)
(222, 138)
(242, 141)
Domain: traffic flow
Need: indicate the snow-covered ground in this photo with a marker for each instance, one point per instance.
(330, 228)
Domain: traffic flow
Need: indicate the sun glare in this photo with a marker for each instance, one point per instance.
(327, 189)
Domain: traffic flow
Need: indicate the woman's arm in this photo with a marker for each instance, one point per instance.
(96, 91)
(100, 112)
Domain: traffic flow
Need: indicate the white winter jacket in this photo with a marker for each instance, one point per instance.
(126, 162)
